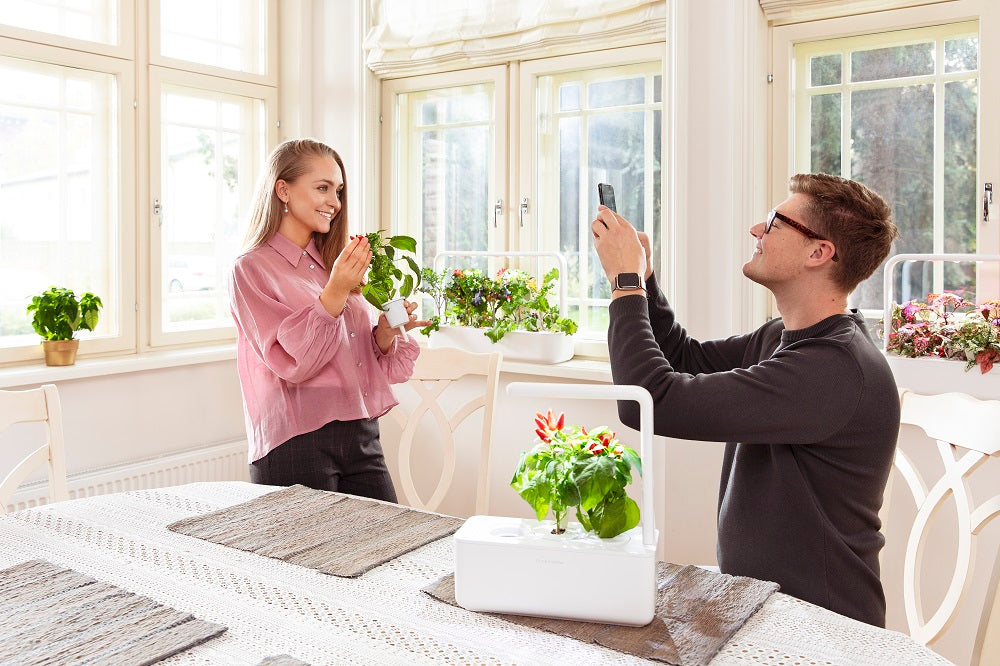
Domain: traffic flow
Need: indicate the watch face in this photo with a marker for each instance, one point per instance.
(628, 281)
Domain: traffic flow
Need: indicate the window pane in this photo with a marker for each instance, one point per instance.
(825, 70)
(231, 34)
(961, 55)
(825, 134)
(893, 62)
(211, 144)
(91, 20)
(448, 138)
(892, 135)
(614, 139)
(960, 194)
(58, 190)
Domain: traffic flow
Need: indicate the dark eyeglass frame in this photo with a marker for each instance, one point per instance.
(801, 228)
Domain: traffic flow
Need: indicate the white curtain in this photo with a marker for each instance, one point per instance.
(419, 36)
(794, 11)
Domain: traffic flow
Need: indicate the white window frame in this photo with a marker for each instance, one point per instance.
(523, 167)
(158, 77)
(124, 73)
(395, 210)
(986, 12)
(139, 70)
(515, 112)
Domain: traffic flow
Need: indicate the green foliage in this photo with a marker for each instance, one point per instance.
(510, 301)
(386, 280)
(947, 326)
(58, 314)
(570, 467)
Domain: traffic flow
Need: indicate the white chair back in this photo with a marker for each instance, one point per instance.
(35, 405)
(964, 431)
(436, 370)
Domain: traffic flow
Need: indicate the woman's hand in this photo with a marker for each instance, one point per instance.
(349, 270)
(384, 334)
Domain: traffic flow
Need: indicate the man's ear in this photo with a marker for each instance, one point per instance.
(823, 252)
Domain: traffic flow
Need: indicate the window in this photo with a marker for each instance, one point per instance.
(458, 180)
(151, 225)
(900, 110)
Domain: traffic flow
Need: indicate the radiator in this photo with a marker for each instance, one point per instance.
(222, 462)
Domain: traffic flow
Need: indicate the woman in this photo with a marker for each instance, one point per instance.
(314, 370)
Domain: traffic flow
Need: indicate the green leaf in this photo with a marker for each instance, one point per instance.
(595, 478)
(407, 243)
(407, 287)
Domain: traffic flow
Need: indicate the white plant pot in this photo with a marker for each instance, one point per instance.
(528, 346)
(396, 314)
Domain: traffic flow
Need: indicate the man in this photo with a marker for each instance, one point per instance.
(806, 403)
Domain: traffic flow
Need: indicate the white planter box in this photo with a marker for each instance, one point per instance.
(516, 565)
(527, 346)
(939, 375)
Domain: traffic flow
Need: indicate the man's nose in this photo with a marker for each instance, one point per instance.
(757, 230)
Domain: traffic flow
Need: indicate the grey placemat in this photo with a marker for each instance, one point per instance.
(697, 611)
(332, 533)
(282, 660)
(53, 615)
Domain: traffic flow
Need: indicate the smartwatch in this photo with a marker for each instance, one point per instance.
(628, 282)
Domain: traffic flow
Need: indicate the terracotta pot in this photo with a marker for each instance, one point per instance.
(60, 352)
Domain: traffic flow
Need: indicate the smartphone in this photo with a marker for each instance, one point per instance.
(606, 194)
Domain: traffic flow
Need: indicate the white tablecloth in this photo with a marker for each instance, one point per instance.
(272, 607)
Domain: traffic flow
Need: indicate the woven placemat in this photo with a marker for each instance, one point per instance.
(332, 533)
(697, 611)
(53, 615)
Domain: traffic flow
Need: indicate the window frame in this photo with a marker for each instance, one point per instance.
(515, 110)
(782, 98)
(158, 78)
(124, 73)
(139, 70)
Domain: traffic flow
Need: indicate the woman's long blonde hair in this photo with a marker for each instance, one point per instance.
(287, 162)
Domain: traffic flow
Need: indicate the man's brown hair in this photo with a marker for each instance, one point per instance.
(856, 220)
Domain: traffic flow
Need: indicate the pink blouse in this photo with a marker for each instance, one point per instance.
(299, 366)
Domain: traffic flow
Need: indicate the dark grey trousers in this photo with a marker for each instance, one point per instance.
(345, 456)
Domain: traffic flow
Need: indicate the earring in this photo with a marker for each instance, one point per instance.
(286, 207)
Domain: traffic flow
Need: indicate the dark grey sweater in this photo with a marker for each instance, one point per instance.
(810, 418)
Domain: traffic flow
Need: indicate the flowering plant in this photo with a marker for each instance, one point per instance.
(571, 467)
(947, 326)
(509, 301)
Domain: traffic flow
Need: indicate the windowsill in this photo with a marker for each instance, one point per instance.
(38, 373)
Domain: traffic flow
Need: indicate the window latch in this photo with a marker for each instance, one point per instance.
(522, 210)
(987, 200)
(497, 212)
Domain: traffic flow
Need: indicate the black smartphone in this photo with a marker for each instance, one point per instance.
(606, 194)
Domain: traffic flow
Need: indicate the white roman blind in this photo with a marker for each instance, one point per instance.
(794, 11)
(410, 37)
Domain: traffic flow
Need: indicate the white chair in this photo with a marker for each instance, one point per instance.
(965, 431)
(435, 371)
(36, 405)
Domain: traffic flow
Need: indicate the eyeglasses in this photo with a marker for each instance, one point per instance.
(801, 228)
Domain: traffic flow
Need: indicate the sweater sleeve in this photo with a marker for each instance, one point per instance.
(798, 395)
(684, 353)
(295, 344)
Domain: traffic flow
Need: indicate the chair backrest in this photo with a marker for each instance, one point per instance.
(964, 430)
(36, 405)
(435, 370)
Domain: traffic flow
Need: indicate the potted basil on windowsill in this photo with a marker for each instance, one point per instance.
(57, 315)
